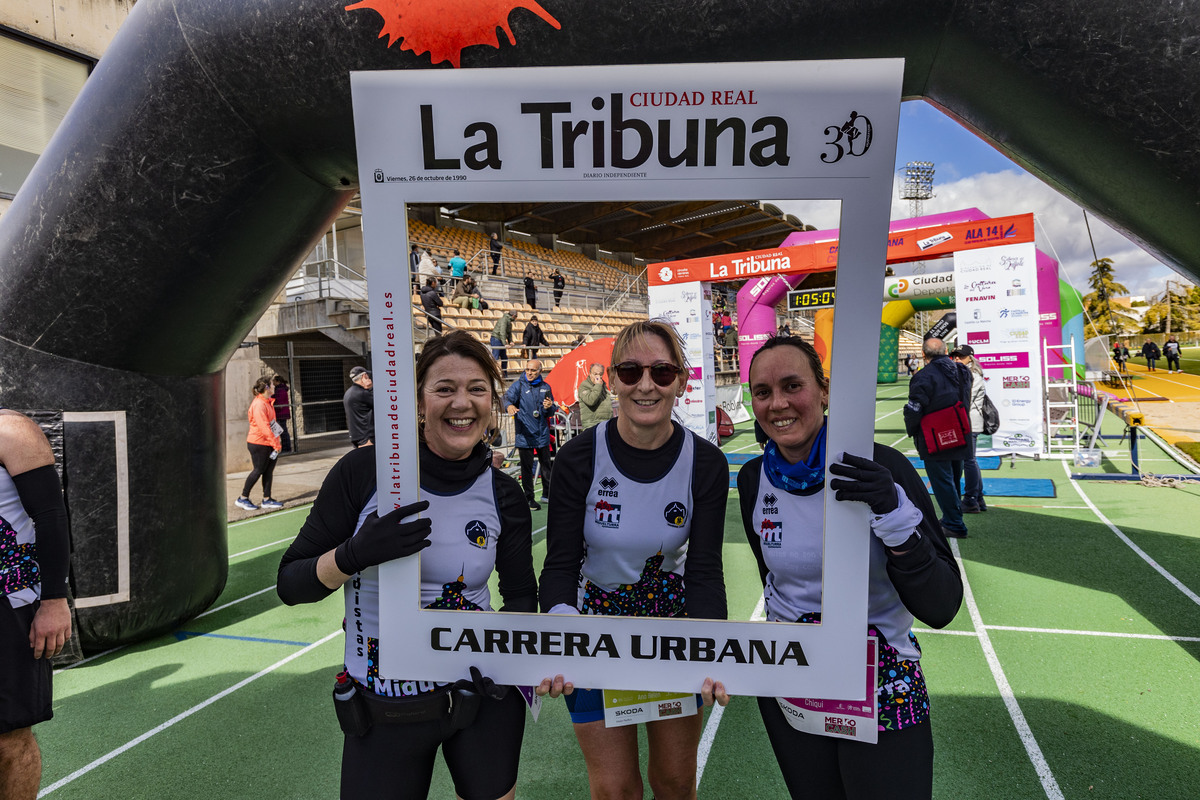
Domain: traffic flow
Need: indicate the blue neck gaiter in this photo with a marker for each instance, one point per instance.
(794, 477)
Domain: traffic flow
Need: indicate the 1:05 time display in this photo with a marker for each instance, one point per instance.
(810, 298)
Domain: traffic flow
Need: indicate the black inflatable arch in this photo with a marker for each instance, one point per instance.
(213, 145)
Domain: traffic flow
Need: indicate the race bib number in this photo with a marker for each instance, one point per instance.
(630, 708)
(844, 719)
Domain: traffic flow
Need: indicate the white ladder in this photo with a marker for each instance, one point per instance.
(1060, 395)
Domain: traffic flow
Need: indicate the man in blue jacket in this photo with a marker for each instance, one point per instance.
(941, 384)
(531, 402)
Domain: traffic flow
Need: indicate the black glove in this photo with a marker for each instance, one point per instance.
(482, 685)
(384, 538)
(869, 483)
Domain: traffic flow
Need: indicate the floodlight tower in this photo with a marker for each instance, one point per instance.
(917, 186)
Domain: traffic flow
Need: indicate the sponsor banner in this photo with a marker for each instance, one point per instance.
(924, 243)
(840, 718)
(1003, 360)
(686, 307)
(730, 398)
(931, 284)
(739, 266)
(768, 131)
(999, 319)
(630, 708)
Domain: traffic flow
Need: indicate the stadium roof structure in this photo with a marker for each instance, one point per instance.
(654, 231)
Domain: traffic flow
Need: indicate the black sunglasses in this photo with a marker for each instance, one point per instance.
(662, 374)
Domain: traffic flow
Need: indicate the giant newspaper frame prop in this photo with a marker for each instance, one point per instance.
(808, 130)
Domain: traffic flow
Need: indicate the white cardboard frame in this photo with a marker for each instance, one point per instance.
(851, 106)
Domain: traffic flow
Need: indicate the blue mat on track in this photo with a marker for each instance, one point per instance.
(1013, 487)
(985, 462)
(741, 458)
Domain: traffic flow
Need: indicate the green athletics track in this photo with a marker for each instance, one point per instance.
(1071, 670)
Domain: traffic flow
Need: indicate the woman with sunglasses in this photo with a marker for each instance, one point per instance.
(345, 539)
(635, 528)
(912, 574)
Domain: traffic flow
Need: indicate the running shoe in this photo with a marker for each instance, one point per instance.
(533, 505)
(245, 504)
(271, 504)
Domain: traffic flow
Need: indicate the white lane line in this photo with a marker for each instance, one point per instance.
(1108, 634)
(110, 651)
(262, 547)
(180, 717)
(1120, 535)
(714, 717)
(1049, 784)
(239, 524)
(1158, 637)
(270, 588)
(890, 413)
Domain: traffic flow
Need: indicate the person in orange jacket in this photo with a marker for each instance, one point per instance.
(264, 445)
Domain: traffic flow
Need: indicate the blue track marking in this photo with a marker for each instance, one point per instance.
(1012, 487)
(985, 462)
(181, 635)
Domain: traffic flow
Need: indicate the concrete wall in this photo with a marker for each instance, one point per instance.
(82, 26)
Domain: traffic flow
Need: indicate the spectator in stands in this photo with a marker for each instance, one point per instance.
(784, 330)
(466, 294)
(414, 267)
(496, 246)
(431, 300)
(729, 347)
(595, 403)
(726, 321)
(531, 402)
(427, 268)
(1151, 353)
(530, 291)
(1171, 351)
(560, 283)
(458, 268)
(282, 399)
(502, 338)
(533, 338)
(578, 341)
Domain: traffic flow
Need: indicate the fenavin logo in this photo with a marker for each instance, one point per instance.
(444, 28)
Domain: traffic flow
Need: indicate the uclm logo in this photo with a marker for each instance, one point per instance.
(444, 28)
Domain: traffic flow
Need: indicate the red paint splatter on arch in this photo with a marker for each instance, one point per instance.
(444, 28)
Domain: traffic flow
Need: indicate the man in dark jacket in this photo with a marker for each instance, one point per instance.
(531, 401)
(530, 291)
(359, 404)
(941, 384)
(533, 338)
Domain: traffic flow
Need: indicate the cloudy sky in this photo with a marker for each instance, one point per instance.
(971, 174)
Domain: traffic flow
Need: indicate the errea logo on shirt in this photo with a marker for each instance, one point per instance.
(608, 487)
(769, 504)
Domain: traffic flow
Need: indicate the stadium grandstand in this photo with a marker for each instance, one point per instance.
(318, 328)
